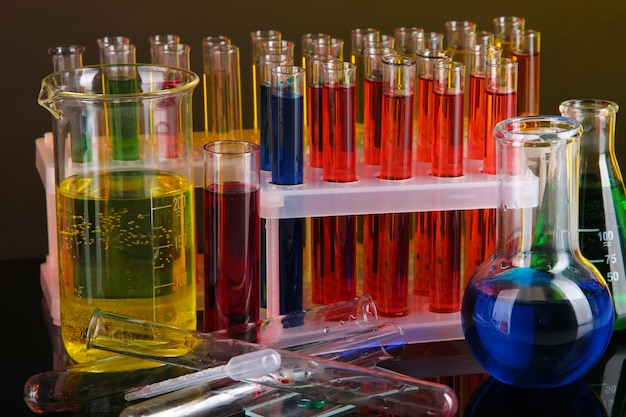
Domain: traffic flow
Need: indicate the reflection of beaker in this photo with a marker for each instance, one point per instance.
(601, 215)
(125, 225)
(537, 313)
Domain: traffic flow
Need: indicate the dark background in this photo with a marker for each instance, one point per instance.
(581, 46)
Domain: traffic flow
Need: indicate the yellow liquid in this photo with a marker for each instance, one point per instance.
(126, 245)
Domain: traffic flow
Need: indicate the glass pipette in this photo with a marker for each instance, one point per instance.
(314, 377)
(248, 365)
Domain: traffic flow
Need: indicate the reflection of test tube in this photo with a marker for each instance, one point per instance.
(339, 165)
(504, 28)
(165, 115)
(224, 69)
(313, 376)
(525, 51)
(67, 57)
(157, 41)
(448, 97)
(256, 37)
(386, 236)
(123, 116)
(208, 80)
(478, 56)
(356, 57)
(265, 64)
(372, 103)
(287, 130)
(106, 41)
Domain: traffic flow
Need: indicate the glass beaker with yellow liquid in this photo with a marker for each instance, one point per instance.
(124, 195)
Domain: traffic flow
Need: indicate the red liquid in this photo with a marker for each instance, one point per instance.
(339, 132)
(396, 159)
(480, 239)
(317, 261)
(448, 135)
(393, 265)
(231, 256)
(371, 254)
(423, 252)
(498, 106)
(372, 112)
(424, 119)
(315, 117)
(527, 83)
(339, 258)
(445, 284)
(476, 118)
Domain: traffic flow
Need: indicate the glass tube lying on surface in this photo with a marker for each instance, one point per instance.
(365, 349)
(315, 377)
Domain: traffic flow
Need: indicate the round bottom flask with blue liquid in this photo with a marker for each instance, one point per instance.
(537, 313)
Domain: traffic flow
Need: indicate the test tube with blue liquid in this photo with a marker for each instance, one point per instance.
(287, 132)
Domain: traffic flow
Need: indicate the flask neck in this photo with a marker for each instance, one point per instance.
(539, 235)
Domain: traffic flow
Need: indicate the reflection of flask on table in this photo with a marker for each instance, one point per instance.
(601, 214)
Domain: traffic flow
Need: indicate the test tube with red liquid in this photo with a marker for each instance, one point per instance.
(447, 161)
(358, 37)
(387, 236)
(305, 44)
(424, 123)
(339, 165)
(372, 103)
(525, 51)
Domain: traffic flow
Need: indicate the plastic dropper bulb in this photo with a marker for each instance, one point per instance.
(248, 365)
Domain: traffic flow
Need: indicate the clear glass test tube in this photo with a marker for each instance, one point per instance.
(173, 55)
(275, 46)
(208, 81)
(224, 68)
(65, 57)
(328, 46)
(306, 53)
(256, 38)
(156, 41)
(232, 234)
(448, 98)
(404, 39)
(265, 64)
(106, 41)
(456, 36)
(525, 51)
(357, 37)
(314, 107)
(372, 103)
(363, 349)
(504, 27)
(376, 389)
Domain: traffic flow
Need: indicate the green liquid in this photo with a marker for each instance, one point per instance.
(126, 245)
(602, 218)
(123, 120)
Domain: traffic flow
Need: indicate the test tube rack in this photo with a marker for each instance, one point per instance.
(317, 198)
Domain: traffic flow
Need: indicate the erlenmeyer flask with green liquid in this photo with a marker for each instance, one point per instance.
(602, 199)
